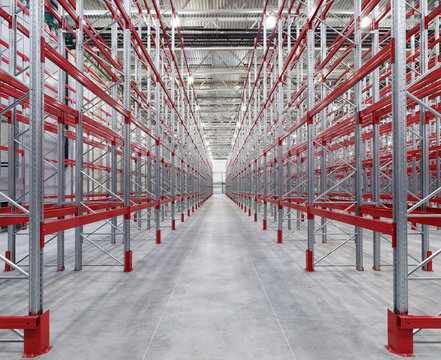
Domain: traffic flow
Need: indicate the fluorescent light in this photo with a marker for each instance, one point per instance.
(365, 22)
(270, 21)
(244, 107)
(334, 108)
(176, 21)
(190, 79)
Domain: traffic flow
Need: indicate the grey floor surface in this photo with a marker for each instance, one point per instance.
(219, 288)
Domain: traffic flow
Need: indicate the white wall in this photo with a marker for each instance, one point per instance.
(218, 175)
(219, 165)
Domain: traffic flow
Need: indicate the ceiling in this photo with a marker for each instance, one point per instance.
(219, 38)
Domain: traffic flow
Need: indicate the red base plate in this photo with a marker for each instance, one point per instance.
(36, 341)
(397, 353)
(309, 264)
(128, 262)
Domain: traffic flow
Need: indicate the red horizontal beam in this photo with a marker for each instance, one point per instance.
(64, 224)
(70, 69)
(370, 66)
(419, 322)
(18, 322)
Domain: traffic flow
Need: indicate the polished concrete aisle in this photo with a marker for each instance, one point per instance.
(217, 288)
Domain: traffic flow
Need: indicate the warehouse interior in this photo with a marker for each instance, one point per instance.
(219, 179)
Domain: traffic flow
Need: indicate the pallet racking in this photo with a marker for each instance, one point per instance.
(340, 124)
(94, 138)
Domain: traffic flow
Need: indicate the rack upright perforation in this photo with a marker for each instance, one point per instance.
(350, 118)
(121, 132)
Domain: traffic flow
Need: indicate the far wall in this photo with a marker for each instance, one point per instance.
(219, 176)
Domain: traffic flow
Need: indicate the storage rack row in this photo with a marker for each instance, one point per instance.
(339, 128)
(103, 134)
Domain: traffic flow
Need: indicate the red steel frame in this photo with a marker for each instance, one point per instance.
(323, 149)
(163, 131)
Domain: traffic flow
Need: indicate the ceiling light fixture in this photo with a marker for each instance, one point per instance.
(365, 22)
(190, 79)
(176, 21)
(270, 21)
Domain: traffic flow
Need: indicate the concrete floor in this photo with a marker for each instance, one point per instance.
(219, 288)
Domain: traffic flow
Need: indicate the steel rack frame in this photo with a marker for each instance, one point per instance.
(340, 125)
(97, 139)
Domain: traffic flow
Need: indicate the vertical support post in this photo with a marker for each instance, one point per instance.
(280, 182)
(323, 155)
(414, 183)
(424, 136)
(36, 120)
(189, 151)
(437, 120)
(255, 142)
(60, 144)
(273, 117)
(265, 120)
(13, 131)
(138, 112)
(310, 137)
(79, 140)
(162, 117)
(157, 144)
(36, 341)
(114, 153)
(149, 139)
(289, 123)
(250, 147)
(192, 132)
(127, 146)
(182, 170)
(357, 138)
(399, 340)
(173, 180)
(375, 174)
(299, 136)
